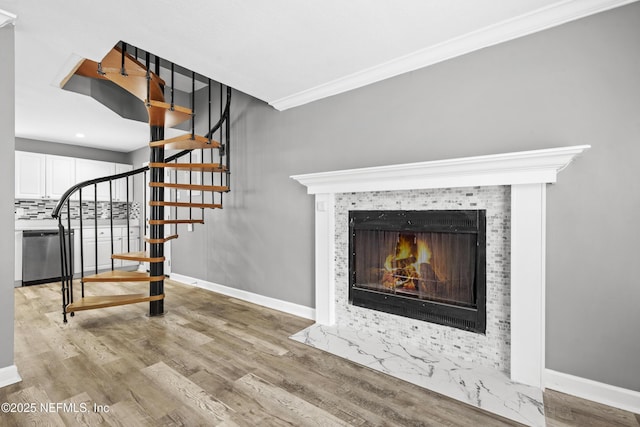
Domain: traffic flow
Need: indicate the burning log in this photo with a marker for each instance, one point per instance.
(404, 262)
(429, 280)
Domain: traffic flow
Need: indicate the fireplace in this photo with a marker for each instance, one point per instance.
(515, 266)
(421, 264)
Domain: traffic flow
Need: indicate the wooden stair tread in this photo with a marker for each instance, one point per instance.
(141, 256)
(121, 276)
(103, 301)
(185, 142)
(135, 82)
(175, 221)
(197, 187)
(88, 68)
(196, 167)
(161, 113)
(187, 205)
(167, 106)
(112, 62)
(163, 240)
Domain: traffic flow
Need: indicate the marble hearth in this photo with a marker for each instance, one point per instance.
(501, 371)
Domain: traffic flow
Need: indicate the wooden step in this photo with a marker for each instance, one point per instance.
(194, 167)
(161, 113)
(187, 205)
(103, 301)
(122, 276)
(182, 110)
(172, 116)
(163, 240)
(175, 221)
(140, 256)
(185, 142)
(135, 81)
(197, 187)
(112, 63)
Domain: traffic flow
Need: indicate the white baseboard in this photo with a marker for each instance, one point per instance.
(606, 394)
(9, 375)
(276, 304)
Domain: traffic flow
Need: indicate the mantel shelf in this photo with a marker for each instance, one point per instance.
(524, 167)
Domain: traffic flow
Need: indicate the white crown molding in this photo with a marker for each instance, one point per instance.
(524, 167)
(538, 20)
(7, 18)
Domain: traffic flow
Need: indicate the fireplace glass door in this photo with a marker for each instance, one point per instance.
(423, 264)
(433, 266)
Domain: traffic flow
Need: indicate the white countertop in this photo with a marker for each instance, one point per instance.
(52, 224)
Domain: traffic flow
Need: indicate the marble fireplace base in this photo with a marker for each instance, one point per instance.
(482, 387)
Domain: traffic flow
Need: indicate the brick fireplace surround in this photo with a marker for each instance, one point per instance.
(526, 174)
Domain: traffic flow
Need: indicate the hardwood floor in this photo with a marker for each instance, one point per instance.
(214, 360)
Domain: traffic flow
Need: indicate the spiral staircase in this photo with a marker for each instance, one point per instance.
(198, 170)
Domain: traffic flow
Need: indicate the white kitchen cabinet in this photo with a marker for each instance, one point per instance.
(29, 175)
(133, 244)
(121, 184)
(17, 274)
(90, 169)
(76, 253)
(45, 176)
(60, 175)
(103, 243)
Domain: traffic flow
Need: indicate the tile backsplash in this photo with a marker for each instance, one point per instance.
(41, 209)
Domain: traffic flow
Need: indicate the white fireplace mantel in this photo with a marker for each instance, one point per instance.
(7, 18)
(527, 172)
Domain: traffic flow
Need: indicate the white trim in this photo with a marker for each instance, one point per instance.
(276, 304)
(524, 167)
(528, 225)
(537, 20)
(527, 172)
(9, 375)
(618, 397)
(7, 18)
(325, 313)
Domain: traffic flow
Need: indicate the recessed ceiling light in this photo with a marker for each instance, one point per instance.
(79, 135)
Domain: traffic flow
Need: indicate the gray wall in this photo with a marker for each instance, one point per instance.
(59, 149)
(7, 120)
(575, 84)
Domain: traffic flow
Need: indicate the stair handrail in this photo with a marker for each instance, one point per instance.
(67, 194)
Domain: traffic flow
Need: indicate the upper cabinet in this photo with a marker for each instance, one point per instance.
(121, 184)
(91, 169)
(44, 176)
(30, 176)
(60, 175)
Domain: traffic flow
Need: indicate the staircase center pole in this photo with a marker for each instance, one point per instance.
(156, 308)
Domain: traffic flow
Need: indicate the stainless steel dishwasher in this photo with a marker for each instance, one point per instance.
(41, 256)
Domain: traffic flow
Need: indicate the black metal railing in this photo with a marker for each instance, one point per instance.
(83, 219)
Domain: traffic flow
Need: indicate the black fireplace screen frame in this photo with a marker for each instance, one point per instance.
(471, 319)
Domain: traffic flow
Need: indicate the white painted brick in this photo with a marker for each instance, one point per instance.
(491, 349)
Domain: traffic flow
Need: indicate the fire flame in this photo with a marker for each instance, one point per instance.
(402, 269)
(424, 254)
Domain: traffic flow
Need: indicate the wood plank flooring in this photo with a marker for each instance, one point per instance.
(212, 360)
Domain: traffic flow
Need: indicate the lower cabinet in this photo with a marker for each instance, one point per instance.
(130, 244)
(17, 272)
(121, 243)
